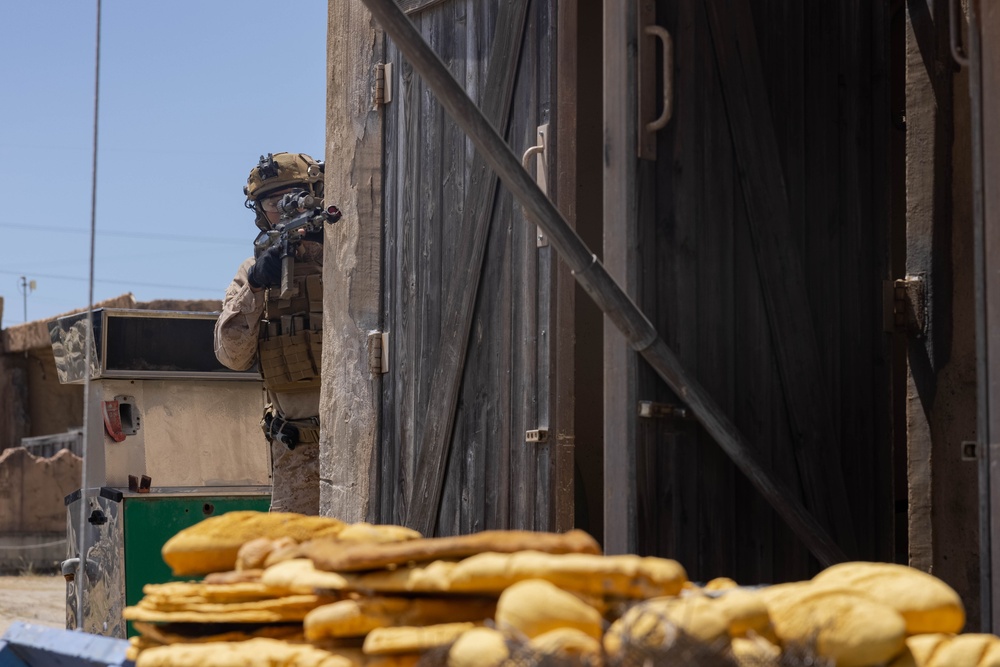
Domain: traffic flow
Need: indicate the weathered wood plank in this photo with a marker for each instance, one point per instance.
(621, 206)
(404, 323)
(430, 230)
(854, 328)
(450, 175)
(679, 194)
(823, 249)
(545, 499)
(483, 404)
(799, 361)
(987, 172)
(541, 46)
(562, 341)
(349, 402)
(879, 105)
(714, 302)
(525, 456)
(462, 284)
(500, 239)
(417, 6)
(390, 474)
(928, 248)
(525, 118)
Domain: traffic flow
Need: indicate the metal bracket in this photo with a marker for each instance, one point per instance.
(541, 169)
(378, 352)
(139, 485)
(383, 84)
(970, 450)
(653, 410)
(904, 305)
(537, 435)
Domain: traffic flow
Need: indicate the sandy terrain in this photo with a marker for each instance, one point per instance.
(39, 599)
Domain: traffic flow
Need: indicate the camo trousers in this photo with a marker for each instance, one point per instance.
(295, 478)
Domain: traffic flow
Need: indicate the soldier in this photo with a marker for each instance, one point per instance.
(283, 335)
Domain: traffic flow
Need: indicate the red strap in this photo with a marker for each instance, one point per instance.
(112, 420)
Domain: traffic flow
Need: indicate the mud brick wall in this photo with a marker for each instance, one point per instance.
(32, 490)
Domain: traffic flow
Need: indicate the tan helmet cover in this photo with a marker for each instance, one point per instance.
(289, 169)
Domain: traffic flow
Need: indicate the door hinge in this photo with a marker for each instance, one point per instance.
(378, 352)
(904, 305)
(383, 84)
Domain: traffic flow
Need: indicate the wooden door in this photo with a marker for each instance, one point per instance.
(758, 245)
(469, 296)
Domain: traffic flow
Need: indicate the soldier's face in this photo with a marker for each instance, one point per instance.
(269, 205)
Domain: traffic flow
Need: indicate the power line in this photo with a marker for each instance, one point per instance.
(123, 234)
(214, 290)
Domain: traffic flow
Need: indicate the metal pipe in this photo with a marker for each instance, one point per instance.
(89, 397)
(595, 279)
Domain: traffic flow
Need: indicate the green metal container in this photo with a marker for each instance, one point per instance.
(125, 533)
(151, 521)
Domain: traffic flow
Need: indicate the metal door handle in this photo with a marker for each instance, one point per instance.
(668, 77)
(539, 151)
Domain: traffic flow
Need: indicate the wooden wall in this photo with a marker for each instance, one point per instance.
(462, 283)
(702, 265)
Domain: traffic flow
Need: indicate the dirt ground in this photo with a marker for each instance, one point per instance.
(39, 599)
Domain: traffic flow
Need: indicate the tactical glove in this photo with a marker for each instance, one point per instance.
(266, 271)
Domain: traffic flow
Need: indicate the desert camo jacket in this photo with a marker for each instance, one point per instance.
(236, 342)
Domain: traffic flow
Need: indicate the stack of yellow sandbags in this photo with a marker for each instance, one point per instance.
(231, 606)
(290, 590)
(849, 615)
(365, 594)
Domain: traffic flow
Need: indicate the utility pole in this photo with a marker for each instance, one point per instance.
(27, 286)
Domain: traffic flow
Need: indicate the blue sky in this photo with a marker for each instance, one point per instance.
(192, 92)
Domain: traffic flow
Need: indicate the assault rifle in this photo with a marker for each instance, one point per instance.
(301, 213)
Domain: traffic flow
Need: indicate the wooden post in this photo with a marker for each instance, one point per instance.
(350, 400)
(562, 395)
(621, 223)
(985, 76)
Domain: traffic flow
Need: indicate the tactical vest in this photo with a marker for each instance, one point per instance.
(291, 334)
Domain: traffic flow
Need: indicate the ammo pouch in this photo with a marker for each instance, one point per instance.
(289, 432)
(291, 336)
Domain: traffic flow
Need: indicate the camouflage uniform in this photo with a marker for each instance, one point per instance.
(294, 472)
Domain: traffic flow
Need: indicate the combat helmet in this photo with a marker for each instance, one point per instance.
(281, 170)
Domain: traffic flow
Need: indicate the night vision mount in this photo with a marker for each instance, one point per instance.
(266, 167)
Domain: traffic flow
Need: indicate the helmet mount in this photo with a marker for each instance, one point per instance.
(266, 167)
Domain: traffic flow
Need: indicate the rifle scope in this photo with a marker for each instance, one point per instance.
(297, 200)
